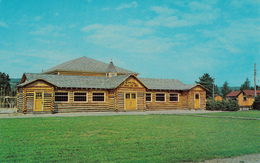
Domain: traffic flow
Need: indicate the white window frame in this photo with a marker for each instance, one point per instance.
(151, 97)
(99, 101)
(156, 97)
(174, 94)
(61, 101)
(78, 95)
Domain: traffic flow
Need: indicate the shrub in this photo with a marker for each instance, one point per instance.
(224, 105)
(256, 104)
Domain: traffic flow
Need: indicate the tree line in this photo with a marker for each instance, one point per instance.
(5, 86)
(207, 81)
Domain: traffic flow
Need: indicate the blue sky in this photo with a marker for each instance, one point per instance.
(175, 39)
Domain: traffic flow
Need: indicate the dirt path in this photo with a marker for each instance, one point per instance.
(19, 115)
(254, 158)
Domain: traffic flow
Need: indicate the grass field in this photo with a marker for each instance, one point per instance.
(240, 114)
(141, 138)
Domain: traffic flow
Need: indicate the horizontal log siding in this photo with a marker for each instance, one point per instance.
(20, 100)
(139, 95)
(191, 97)
(26, 96)
(47, 98)
(89, 106)
(167, 105)
(112, 100)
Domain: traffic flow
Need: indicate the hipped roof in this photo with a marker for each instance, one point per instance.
(85, 64)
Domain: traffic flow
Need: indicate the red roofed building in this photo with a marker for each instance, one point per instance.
(245, 98)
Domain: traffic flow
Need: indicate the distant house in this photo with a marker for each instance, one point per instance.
(217, 97)
(245, 98)
(85, 84)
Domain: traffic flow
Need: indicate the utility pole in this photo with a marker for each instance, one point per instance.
(255, 80)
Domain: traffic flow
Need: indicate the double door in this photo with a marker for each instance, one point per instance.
(130, 101)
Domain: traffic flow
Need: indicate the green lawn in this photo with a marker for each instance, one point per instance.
(241, 114)
(149, 138)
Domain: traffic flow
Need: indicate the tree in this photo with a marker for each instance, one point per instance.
(216, 90)
(207, 81)
(256, 104)
(225, 89)
(245, 85)
(4, 82)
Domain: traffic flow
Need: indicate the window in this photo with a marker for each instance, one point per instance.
(133, 95)
(98, 97)
(113, 74)
(148, 97)
(160, 97)
(80, 96)
(197, 96)
(61, 97)
(174, 97)
(245, 98)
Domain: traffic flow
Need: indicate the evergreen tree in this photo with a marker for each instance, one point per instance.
(4, 83)
(207, 81)
(225, 89)
(245, 85)
(216, 90)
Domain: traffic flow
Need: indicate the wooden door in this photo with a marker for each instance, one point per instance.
(38, 101)
(197, 101)
(130, 101)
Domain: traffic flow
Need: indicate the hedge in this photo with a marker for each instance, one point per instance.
(224, 105)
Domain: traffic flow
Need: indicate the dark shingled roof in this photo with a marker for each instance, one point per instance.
(111, 68)
(69, 81)
(86, 65)
(165, 84)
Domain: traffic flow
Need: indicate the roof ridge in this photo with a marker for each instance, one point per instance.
(86, 64)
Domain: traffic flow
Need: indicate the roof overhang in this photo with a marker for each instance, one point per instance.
(39, 79)
(132, 75)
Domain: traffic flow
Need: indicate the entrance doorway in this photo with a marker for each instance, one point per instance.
(197, 101)
(38, 103)
(130, 101)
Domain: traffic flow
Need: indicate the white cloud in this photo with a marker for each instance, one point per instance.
(174, 18)
(194, 5)
(3, 24)
(37, 18)
(92, 27)
(125, 38)
(45, 30)
(163, 10)
(105, 9)
(124, 6)
(235, 36)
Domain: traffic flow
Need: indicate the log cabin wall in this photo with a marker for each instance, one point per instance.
(28, 95)
(84, 106)
(131, 85)
(202, 97)
(185, 99)
(166, 104)
(20, 100)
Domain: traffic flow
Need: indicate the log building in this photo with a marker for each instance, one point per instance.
(85, 84)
